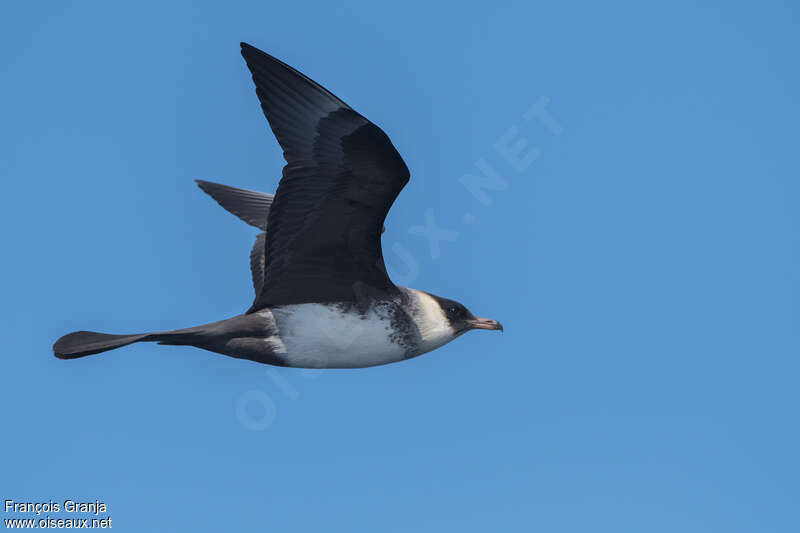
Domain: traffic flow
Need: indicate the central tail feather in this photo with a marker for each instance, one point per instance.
(213, 337)
(82, 343)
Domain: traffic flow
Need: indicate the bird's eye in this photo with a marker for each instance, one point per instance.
(453, 311)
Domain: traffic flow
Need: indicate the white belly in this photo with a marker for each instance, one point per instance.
(322, 336)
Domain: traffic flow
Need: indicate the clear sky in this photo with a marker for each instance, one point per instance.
(638, 238)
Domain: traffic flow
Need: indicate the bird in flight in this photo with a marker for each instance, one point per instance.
(323, 298)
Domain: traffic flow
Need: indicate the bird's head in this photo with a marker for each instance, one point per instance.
(462, 320)
(440, 320)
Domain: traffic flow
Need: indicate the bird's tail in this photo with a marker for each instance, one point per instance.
(83, 343)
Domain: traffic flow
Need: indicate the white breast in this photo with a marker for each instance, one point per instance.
(323, 336)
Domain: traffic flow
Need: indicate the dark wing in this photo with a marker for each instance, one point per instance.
(342, 176)
(253, 208)
(257, 260)
(250, 206)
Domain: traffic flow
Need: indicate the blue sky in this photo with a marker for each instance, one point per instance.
(641, 250)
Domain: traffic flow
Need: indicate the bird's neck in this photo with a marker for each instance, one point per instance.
(433, 326)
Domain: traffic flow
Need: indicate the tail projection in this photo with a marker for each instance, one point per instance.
(241, 336)
(83, 343)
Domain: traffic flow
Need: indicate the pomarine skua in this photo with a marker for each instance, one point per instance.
(323, 298)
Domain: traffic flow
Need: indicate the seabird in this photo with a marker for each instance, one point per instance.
(323, 298)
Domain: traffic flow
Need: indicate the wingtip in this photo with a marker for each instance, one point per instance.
(207, 186)
(202, 185)
(251, 53)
